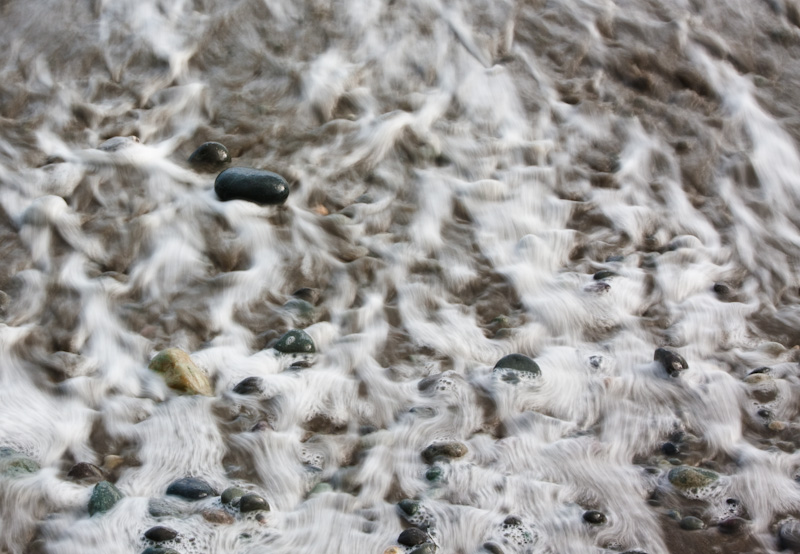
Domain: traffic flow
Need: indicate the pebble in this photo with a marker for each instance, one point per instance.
(159, 507)
(160, 534)
(518, 362)
(594, 517)
(453, 449)
(408, 506)
(210, 156)
(15, 464)
(159, 550)
(427, 548)
(412, 537)
(250, 385)
(512, 521)
(180, 373)
(217, 516)
(732, 525)
(672, 361)
(232, 493)
(190, 488)
(670, 448)
(393, 550)
(492, 548)
(103, 498)
(252, 502)
(295, 341)
(691, 523)
(434, 474)
(685, 477)
(789, 535)
(255, 185)
(85, 473)
(604, 274)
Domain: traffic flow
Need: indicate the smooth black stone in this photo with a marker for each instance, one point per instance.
(594, 517)
(512, 520)
(84, 471)
(518, 362)
(210, 156)
(295, 341)
(604, 274)
(722, 289)
(434, 474)
(758, 370)
(731, 525)
(789, 536)
(427, 548)
(670, 449)
(160, 533)
(408, 506)
(452, 449)
(765, 413)
(103, 498)
(159, 550)
(492, 548)
(672, 361)
(255, 185)
(253, 503)
(191, 488)
(251, 385)
(412, 537)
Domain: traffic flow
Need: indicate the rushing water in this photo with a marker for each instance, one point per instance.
(459, 171)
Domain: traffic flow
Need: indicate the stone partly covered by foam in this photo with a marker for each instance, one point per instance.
(232, 494)
(103, 498)
(84, 472)
(14, 464)
(180, 373)
(518, 362)
(789, 535)
(687, 478)
(295, 341)
(672, 361)
(191, 488)
(452, 449)
(160, 533)
(412, 537)
(255, 185)
(210, 156)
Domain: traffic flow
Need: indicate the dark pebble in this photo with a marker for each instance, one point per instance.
(594, 517)
(731, 525)
(231, 493)
(434, 474)
(789, 536)
(309, 295)
(366, 430)
(160, 533)
(260, 426)
(251, 385)
(722, 289)
(427, 548)
(412, 537)
(159, 550)
(253, 503)
(492, 548)
(452, 449)
(295, 342)
(191, 488)
(408, 506)
(691, 523)
(512, 521)
(210, 156)
(765, 413)
(85, 472)
(763, 369)
(518, 362)
(103, 498)
(672, 361)
(604, 274)
(255, 185)
(670, 448)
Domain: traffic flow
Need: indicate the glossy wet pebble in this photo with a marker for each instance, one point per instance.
(210, 156)
(252, 503)
(412, 537)
(518, 362)
(103, 498)
(296, 341)
(250, 385)
(672, 362)
(190, 488)
(160, 534)
(255, 185)
(180, 373)
(686, 478)
(594, 517)
(691, 523)
(453, 449)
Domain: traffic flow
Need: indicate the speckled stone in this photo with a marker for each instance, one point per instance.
(685, 477)
(103, 498)
(412, 537)
(180, 373)
(296, 341)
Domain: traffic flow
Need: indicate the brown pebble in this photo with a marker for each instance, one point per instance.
(732, 525)
(86, 473)
(217, 516)
(776, 426)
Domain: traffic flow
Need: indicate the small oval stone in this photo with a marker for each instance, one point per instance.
(670, 448)
(210, 156)
(492, 548)
(85, 473)
(685, 477)
(220, 517)
(512, 521)
(103, 498)
(255, 185)
(453, 449)
(295, 341)
(408, 506)
(594, 517)
(789, 535)
(427, 548)
(518, 362)
(159, 550)
(434, 474)
(250, 385)
(604, 274)
(190, 488)
(160, 534)
(412, 537)
(231, 493)
(671, 361)
(252, 503)
(732, 525)
(691, 523)
(180, 373)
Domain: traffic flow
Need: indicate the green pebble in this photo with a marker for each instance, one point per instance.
(685, 477)
(408, 506)
(295, 342)
(230, 494)
(104, 496)
(519, 362)
(434, 474)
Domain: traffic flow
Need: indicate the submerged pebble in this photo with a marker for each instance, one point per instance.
(255, 185)
(159, 550)
(686, 478)
(672, 362)
(453, 449)
(427, 548)
(15, 464)
(408, 506)
(518, 362)
(789, 535)
(210, 156)
(691, 523)
(180, 373)
(412, 537)
(295, 341)
(85, 472)
(190, 488)
(250, 385)
(594, 517)
(103, 498)
(231, 494)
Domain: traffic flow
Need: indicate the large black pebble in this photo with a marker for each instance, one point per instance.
(672, 361)
(252, 503)
(191, 488)
(160, 533)
(256, 185)
(250, 385)
(518, 362)
(412, 537)
(594, 517)
(210, 156)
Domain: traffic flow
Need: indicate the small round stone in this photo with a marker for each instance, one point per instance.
(408, 506)
(427, 548)
(250, 385)
(594, 517)
(453, 449)
(103, 498)
(672, 361)
(255, 185)
(512, 521)
(434, 474)
(691, 523)
(160, 534)
(191, 488)
(732, 525)
(604, 274)
(518, 362)
(231, 493)
(685, 477)
(670, 448)
(789, 535)
(210, 156)
(85, 473)
(412, 537)
(492, 548)
(722, 289)
(252, 503)
(295, 341)
(220, 517)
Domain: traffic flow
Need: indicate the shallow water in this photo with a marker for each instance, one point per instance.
(459, 171)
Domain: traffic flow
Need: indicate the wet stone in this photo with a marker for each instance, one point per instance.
(760, 370)
(255, 185)
(159, 550)
(789, 535)
(85, 472)
(210, 156)
(672, 361)
(670, 448)
(408, 506)
(691, 523)
(427, 548)
(732, 525)
(158, 507)
(512, 521)
(252, 503)
(492, 548)
(594, 517)
(220, 517)
(604, 274)
(295, 341)
(15, 464)
(685, 477)
(160, 534)
(232, 493)
(103, 498)
(452, 449)
(518, 362)
(250, 385)
(191, 489)
(412, 537)
(180, 373)
(434, 474)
